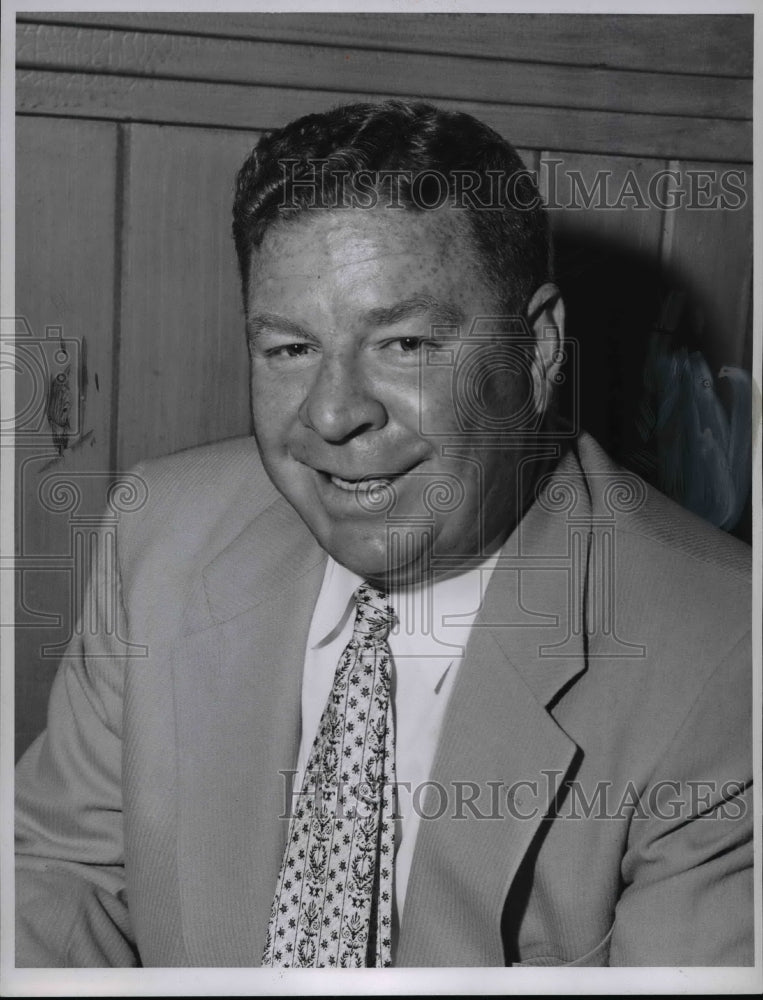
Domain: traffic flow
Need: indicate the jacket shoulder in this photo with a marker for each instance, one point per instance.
(200, 485)
(229, 466)
(644, 514)
(680, 587)
(196, 502)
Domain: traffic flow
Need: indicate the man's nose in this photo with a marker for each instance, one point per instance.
(341, 402)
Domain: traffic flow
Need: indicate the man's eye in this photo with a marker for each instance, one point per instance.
(409, 344)
(289, 351)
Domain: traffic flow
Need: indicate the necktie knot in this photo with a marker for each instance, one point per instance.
(374, 615)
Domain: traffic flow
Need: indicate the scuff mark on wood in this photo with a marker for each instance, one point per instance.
(90, 436)
(59, 408)
(57, 459)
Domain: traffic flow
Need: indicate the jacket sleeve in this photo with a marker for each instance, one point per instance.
(71, 907)
(687, 871)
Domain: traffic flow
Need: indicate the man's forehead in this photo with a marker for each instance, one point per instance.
(354, 232)
(380, 266)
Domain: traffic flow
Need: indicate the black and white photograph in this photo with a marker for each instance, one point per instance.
(381, 492)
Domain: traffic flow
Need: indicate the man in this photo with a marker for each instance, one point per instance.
(427, 679)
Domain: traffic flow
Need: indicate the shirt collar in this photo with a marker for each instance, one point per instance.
(454, 602)
(334, 604)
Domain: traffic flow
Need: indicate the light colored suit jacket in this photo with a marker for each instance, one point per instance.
(590, 802)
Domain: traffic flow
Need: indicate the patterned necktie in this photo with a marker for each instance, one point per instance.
(333, 899)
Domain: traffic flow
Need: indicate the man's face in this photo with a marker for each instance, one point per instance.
(356, 394)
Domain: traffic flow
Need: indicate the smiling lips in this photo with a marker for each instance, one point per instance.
(365, 485)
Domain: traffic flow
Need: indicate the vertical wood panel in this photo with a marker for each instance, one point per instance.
(183, 362)
(707, 251)
(65, 188)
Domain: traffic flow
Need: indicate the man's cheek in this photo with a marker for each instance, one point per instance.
(271, 412)
(436, 412)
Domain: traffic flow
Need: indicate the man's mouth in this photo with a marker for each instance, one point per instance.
(365, 484)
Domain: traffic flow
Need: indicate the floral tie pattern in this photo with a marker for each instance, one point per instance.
(333, 901)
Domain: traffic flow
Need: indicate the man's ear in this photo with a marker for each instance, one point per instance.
(545, 317)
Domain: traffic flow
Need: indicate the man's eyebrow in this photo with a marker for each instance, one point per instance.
(257, 322)
(440, 312)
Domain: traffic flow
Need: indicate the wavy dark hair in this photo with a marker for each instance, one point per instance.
(418, 155)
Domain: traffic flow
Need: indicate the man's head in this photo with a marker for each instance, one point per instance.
(403, 332)
(409, 154)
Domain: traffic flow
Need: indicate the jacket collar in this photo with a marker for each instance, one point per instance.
(261, 564)
(536, 613)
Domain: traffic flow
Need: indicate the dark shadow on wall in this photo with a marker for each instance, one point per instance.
(648, 386)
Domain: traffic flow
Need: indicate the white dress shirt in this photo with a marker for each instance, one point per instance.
(427, 646)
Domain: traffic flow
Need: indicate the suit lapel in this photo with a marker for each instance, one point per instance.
(498, 739)
(237, 678)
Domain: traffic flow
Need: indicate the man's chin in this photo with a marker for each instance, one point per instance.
(389, 562)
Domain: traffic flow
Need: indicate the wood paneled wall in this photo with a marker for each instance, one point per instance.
(131, 128)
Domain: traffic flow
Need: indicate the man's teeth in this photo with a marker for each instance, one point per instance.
(359, 485)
